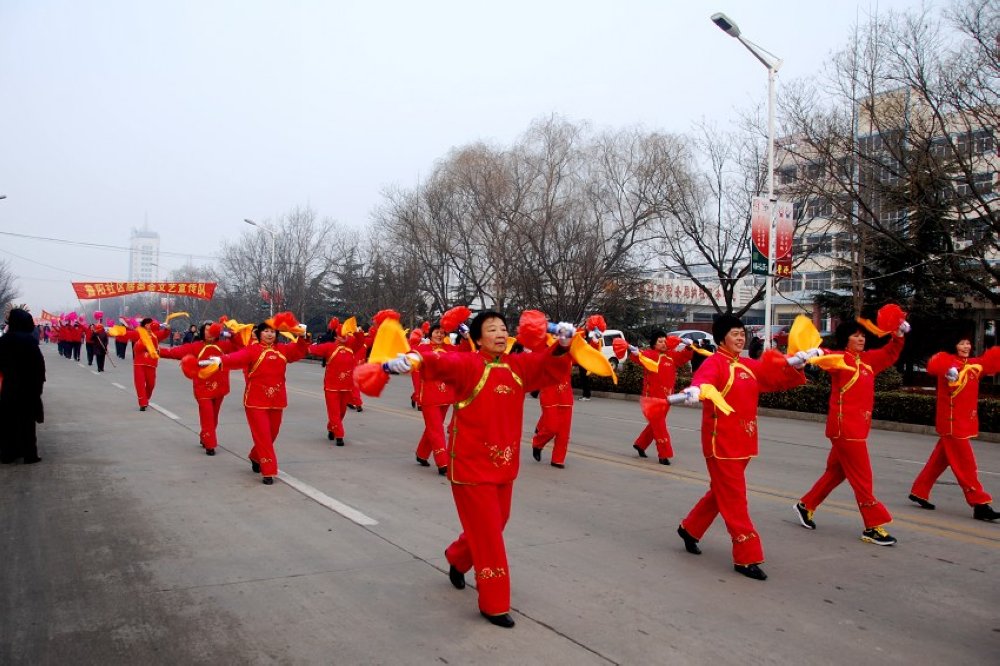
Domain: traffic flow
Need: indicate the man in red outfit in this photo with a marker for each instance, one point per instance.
(729, 441)
(665, 356)
(145, 357)
(957, 422)
(849, 420)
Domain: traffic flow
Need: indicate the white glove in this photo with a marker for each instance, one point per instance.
(797, 360)
(682, 346)
(904, 328)
(397, 366)
(632, 349)
(812, 352)
(565, 332)
(463, 330)
(226, 334)
(951, 375)
(595, 335)
(211, 360)
(692, 393)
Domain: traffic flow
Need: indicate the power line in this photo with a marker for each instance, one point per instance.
(100, 246)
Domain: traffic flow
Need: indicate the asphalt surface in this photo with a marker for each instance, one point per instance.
(128, 545)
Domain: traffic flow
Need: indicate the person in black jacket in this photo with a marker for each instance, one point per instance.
(23, 373)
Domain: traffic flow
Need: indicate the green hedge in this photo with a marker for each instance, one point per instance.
(891, 404)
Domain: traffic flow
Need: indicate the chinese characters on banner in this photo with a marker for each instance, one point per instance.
(91, 290)
(760, 226)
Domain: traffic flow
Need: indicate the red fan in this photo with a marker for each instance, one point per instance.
(672, 342)
(774, 358)
(213, 331)
(453, 317)
(596, 321)
(425, 327)
(382, 315)
(285, 321)
(416, 337)
(189, 366)
(653, 408)
(532, 329)
(620, 347)
(371, 378)
(333, 325)
(890, 317)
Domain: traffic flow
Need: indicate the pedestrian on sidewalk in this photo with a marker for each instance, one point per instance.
(22, 376)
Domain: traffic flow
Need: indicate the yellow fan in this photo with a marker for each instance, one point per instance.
(648, 363)
(871, 327)
(243, 331)
(116, 330)
(390, 341)
(147, 342)
(830, 362)
(709, 392)
(511, 341)
(349, 327)
(590, 359)
(175, 315)
(699, 350)
(973, 369)
(803, 335)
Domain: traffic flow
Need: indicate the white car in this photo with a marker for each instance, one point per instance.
(694, 336)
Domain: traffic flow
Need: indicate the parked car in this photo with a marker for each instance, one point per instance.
(694, 336)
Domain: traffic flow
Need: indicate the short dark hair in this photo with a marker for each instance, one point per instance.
(146, 320)
(476, 327)
(845, 330)
(723, 324)
(260, 327)
(435, 326)
(655, 335)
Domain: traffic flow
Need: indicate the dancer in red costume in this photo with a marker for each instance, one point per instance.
(338, 381)
(729, 441)
(209, 391)
(145, 357)
(265, 397)
(849, 420)
(957, 422)
(556, 420)
(485, 441)
(434, 398)
(667, 354)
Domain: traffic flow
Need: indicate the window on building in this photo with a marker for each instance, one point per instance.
(786, 175)
(819, 281)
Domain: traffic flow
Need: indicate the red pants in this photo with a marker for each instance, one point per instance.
(264, 426)
(849, 460)
(554, 423)
(415, 378)
(656, 430)
(356, 395)
(208, 414)
(336, 407)
(483, 510)
(956, 453)
(432, 441)
(727, 494)
(144, 377)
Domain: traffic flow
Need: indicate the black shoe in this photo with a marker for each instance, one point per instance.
(690, 543)
(559, 465)
(878, 536)
(536, 454)
(419, 408)
(979, 511)
(924, 504)
(340, 441)
(351, 406)
(142, 408)
(443, 471)
(268, 480)
(359, 409)
(505, 620)
(413, 403)
(209, 452)
(456, 577)
(36, 459)
(638, 449)
(805, 516)
(423, 462)
(751, 571)
(664, 461)
(329, 435)
(255, 466)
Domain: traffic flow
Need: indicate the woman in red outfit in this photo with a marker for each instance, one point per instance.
(848, 422)
(338, 381)
(265, 397)
(434, 398)
(556, 420)
(209, 392)
(485, 443)
(145, 357)
(729, 441)
(668, 355)
(957, 423)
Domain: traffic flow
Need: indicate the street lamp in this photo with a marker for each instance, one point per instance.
(773, 64)
(270, 300)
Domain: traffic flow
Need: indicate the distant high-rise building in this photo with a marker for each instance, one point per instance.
(144, 256)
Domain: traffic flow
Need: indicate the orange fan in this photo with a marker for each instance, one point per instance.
(451, 319)
(382, 315)
(371, 378)
(189, 366)
(532, 330)
(596, 321)
(620, 347)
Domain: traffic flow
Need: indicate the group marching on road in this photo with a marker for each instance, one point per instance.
(477, 368)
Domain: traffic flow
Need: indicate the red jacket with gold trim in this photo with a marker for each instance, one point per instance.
(340, 364)
(140, 355)
(485, 430)
(215, 385)
(435, 393)
(852, 394)
(740, 380)
(661, 383)
(958, 406)
(265, 369)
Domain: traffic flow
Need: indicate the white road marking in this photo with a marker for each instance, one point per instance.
(320, 497)
(116, 384)
(166, 412)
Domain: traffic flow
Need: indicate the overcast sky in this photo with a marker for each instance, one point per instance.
(195, 114)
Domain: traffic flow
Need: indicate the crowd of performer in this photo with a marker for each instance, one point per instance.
(478, 370)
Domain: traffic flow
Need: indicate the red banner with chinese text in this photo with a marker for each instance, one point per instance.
(47, 316)
(92, 290)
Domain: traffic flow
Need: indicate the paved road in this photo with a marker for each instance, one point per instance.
(128, 545)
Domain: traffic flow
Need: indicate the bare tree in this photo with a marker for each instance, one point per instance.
(8, 284)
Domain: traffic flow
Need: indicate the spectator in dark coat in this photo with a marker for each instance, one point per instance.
(23, 370)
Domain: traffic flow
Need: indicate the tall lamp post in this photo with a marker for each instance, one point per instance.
(270, 300)
(773, 64)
